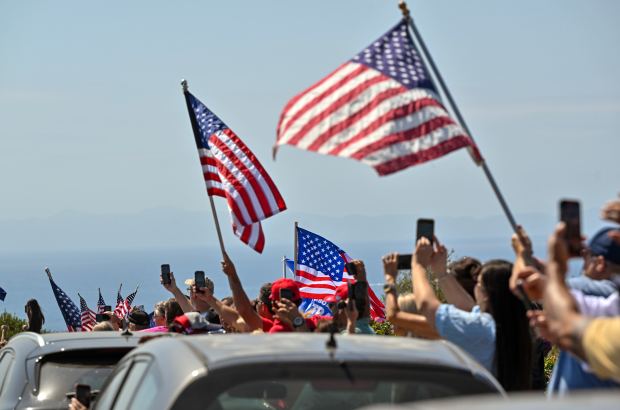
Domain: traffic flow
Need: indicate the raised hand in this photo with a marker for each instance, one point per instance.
(439, 260)
(390, 266)
(423, 253)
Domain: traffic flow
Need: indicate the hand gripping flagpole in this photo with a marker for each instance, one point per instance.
(195, 129)
(416, 34)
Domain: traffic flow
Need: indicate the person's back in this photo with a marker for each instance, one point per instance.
(35, 316)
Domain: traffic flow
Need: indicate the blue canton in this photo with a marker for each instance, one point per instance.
(320, 254)
(208, 122)
(69, 310)
(395, 55)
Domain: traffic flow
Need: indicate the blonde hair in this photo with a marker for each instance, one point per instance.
(406, 303)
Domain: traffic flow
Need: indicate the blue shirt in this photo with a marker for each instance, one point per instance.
(570, 373)
(474, 332)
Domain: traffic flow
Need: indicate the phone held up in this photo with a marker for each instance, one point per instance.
(199, 280)
(527, 302)
(165, 274)
(83, 394)
(425, 228)
(287, 294)
(570, 214)
(404, 262)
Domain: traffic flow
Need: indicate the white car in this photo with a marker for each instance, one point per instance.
(290, 371)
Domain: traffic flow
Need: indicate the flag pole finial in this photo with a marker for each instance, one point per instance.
(402, 5)
(184, 85)
(49, 274)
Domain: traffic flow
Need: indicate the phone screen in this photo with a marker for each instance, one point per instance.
(404, 262)
(287, 294)
(570, 214)
(426, 229)
(82, 393)
(165, 274)
(351, 269)
(199, 279)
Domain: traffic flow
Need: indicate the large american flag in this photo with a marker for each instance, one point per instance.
(88, 317)
(233, 172)
(70, 312)
(321, 268)
(380, 108)
(123, 307)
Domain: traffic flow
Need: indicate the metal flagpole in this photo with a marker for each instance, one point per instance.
(295, 246)
(416, 34)
(196, 131)
(284, 266)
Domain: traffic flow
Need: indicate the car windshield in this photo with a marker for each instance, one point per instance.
(59, 373)
(335, 386)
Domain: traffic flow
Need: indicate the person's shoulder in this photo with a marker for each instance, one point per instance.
(591, 287)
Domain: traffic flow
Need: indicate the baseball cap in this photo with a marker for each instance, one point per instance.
(602, 245)
(138, 317)
(192, 323)
(284, 283)
(342, 292)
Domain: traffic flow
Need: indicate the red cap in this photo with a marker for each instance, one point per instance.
(342, 293)
(283, 283)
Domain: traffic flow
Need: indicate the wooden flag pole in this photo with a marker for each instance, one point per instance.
(196, 130)
(295, 246)
(427, 55)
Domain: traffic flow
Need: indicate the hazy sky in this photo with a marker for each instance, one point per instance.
(92, 118)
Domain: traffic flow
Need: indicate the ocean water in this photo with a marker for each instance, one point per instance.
(22, 273)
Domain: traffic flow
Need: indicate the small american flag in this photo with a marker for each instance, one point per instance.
(380, 108)
(233, 172)
(125, 305)
(101, 303)
(70, 312)
(321, 268)
(2, 294)
(88, 317)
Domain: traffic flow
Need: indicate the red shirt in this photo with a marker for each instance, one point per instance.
(279, 326)
(267, 324)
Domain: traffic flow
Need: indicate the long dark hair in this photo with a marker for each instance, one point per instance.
(35, 316)
(513, 341)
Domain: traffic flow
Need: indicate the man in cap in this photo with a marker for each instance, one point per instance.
(138, 320)
(285, 301)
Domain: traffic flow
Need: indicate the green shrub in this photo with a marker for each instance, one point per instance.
(14, 323)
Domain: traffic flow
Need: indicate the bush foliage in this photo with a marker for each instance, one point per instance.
(14, 323)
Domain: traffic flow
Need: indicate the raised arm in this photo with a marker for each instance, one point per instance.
(410, 321)
(240, 298)
(566, 325)
(172, 287)
(426, 301)
(451, 288)
(226, 313)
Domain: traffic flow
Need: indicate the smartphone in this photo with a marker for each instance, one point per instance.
(165, 274)
(82, 394)
(360, 290)
(102, 317)
(351, 269)
(350, 291)
(425, 228)
(404, 262)
(287, 294)
(199, 280)
(527, 302)
(570, 214)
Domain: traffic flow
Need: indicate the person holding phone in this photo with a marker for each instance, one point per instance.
(493, 328)
(285, 300)
(403, 321)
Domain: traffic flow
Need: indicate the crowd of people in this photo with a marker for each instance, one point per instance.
(505, 314)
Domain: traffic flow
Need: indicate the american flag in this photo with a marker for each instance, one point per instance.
(380, 108)
(69, 310)
(101, 302)
(119, 302)
(124, 306)
(88, 317)
(2, 294)
(321, 268)
(233, 172)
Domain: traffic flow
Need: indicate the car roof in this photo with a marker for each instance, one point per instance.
(227, 350)
(33, 344)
